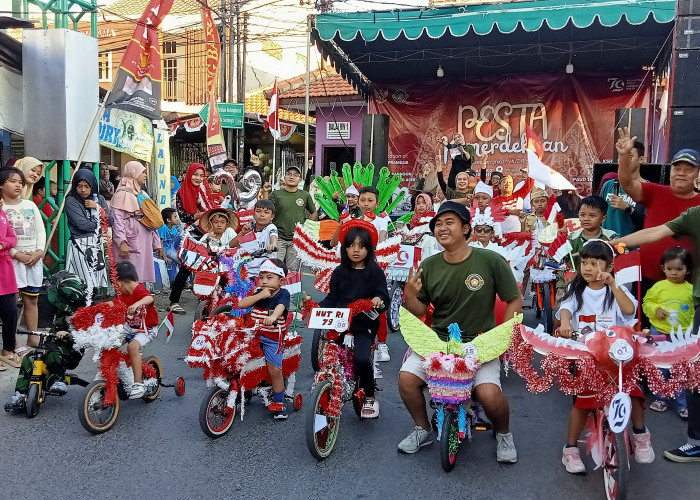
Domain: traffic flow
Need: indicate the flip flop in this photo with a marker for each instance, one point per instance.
(659, 406)
(177, 309)
(22, 351)
(370, 409)
(11, 359)
(2, 367)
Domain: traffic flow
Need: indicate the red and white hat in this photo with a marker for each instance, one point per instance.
(270, 267)
(361, 223)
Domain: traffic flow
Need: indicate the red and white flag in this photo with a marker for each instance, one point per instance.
(169, 324)
(538, 170)
(628, 268)
(292, 283)
(272, 123)
(560, 247)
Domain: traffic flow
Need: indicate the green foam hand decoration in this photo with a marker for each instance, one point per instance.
(347, 174)
(328, 206)
(337, 188)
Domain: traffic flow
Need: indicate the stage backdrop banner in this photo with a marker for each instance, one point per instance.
(574, 116)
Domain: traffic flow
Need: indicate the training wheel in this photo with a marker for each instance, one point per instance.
(298, 401)
(180, 387)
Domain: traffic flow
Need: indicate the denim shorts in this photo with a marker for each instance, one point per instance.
(270, 348)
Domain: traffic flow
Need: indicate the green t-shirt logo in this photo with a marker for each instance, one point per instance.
(300, 202)
(474, 282)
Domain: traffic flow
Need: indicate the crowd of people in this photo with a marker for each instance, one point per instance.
(463, 277)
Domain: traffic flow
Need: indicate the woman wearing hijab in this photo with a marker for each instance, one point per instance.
(86, 256)
(33, 170)
(131, 240)
(191, 201)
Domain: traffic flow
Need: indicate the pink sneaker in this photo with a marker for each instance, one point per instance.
(643, 452)
(572, 461)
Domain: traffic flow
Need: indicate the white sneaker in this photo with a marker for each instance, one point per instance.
(505, 449)
(137, 390)
(416, 439)
(377, 371)
(382, 353)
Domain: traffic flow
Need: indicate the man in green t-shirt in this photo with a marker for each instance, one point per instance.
(292, 206)
(461, 283)
(686, 224)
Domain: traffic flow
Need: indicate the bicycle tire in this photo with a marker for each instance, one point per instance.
(94, 402)
(616, 465)
(322, 440)
(318, 342)
(226, 308)
(32, 404)
(153, 361)
(396, 300)
(202, 312)
(214, 404)
(449, 441)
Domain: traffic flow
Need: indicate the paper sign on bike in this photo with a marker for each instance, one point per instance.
(330, 318)
(619, 412)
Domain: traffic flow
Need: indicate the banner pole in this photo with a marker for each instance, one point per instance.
(83, 150)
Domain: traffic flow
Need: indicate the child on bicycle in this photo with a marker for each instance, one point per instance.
(670, 303)
(265, 233)
(359, 277)
(594, 302)
(219, 228)
(270, 303)
(141, 320)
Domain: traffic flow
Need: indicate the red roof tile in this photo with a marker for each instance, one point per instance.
(323, 83)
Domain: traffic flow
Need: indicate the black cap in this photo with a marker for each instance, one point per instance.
(471, 172)
(450, 206)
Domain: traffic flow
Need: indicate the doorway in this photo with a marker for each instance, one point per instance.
(334, 157)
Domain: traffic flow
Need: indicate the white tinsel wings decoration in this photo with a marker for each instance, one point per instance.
(323, 260)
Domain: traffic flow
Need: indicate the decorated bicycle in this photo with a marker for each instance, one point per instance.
(336, 381)
(227, 346)
(608, 366)
(450, 367)
(101, 328)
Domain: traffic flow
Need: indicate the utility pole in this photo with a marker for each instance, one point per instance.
(233, 35)
(241, 87)
(238, 75)
(222, 73)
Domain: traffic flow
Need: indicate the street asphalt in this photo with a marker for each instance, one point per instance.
(158, 451)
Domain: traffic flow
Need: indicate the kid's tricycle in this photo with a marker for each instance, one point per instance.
(228, 348)
(100, 408)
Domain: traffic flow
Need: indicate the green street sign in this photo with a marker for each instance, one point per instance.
(231, 114)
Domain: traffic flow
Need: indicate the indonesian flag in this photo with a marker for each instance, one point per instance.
(169, 324)
(560, 247)
(293, 283)
(248, 242)
(538, 170)
(272, 123)
(628, 268)
(552, 209)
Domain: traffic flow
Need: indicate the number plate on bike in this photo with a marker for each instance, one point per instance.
(330, 318)
(619, 412)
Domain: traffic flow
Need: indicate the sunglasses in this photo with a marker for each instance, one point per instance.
(482, 229)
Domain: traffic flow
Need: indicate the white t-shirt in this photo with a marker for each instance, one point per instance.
(593, 315)
(262, 240)
(381, 224)
(222, 242)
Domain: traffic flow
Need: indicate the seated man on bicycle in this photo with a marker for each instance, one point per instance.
(461, 283)
(66, 292)
(270, 303)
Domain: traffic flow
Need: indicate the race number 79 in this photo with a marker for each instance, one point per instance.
(619, 412)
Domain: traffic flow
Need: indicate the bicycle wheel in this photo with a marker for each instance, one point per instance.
(32, 404)
(153, 361)
(215, 418)
(202, 311)
(321, 430)
(318, 343)
(396, 296)
(449, 440)
(94, 416)
(615, 464)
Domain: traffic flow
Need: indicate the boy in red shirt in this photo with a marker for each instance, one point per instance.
(141, 320)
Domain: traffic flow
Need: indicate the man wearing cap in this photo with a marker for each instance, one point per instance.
(624, 215)
(292, 206)
(462, 284)
(663, 203)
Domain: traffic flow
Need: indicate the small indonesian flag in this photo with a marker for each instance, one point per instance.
(560, 247)
(169, 324)
(292, 283)
(628, 268)
(538, 170)
(248, 242)
(272, 123)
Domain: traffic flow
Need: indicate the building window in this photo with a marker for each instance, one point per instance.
(104, 66)
(170, 78)
(272, 49)
(169, 47)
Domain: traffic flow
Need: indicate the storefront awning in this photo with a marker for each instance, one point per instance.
(473, 40)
